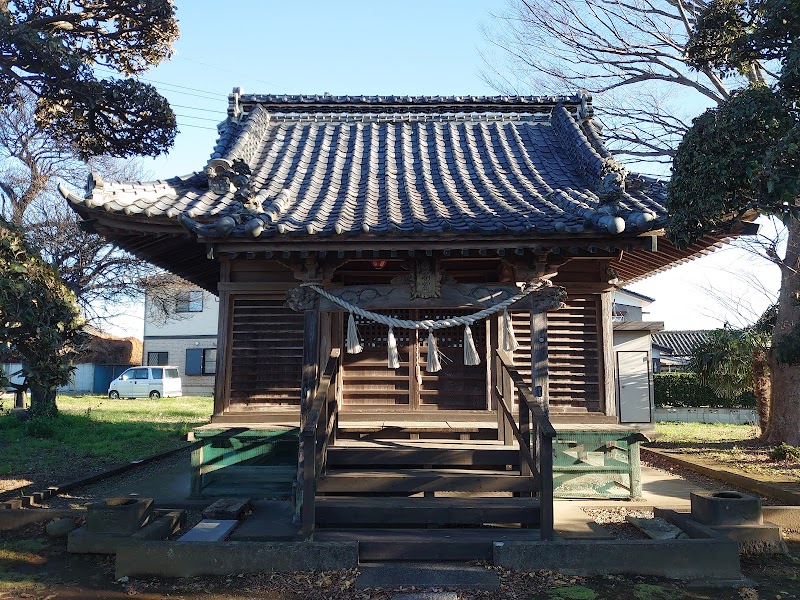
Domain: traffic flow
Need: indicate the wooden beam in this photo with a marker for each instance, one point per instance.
(308, 379)
(606, 340)
(222, 395)
(376, 297)
(539, 370)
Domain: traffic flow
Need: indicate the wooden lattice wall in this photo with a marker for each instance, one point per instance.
(267, 352)
(573, 353)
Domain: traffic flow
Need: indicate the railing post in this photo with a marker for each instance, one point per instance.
(635, 469)
(539, 367)
(309, 485)
(524, 420)
(546, 495)
(508, 397)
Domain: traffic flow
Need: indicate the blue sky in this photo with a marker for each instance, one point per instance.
(358, 47)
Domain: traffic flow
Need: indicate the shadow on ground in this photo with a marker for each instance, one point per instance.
(33, 566)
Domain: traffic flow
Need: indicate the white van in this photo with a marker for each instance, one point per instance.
(152, 382)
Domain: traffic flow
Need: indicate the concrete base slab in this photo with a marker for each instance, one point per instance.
(83, 541)
(676, 559)
(756, 539)
(572, 522)
(14, 519)
(785, 517)
(426, 575)
(271, 520)
(210, 530)
(228, 508)
(178, 559)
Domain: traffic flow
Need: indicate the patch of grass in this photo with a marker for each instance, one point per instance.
(691, 434)
(92, 432)
(649, 591)
(785, 452)
(10, 556)
(730, 446)
(574, 592)
(26, 545)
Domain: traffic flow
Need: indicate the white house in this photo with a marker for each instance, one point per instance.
(186, 337)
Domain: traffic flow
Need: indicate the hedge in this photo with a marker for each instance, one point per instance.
(682, 390)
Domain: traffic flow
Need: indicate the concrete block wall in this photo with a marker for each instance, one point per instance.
(193, 385)
(733, 416)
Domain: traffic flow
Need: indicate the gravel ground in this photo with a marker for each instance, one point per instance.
(712, 485)
(78, 498)
(613, 521)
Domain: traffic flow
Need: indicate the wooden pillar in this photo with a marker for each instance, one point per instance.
(606, 354)
(311, 322)
(539, 368)
(222, 387)
(306, 301)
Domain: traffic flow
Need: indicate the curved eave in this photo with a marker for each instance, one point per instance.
(165, 244)
(640, 264)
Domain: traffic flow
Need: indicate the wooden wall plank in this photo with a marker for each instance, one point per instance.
(573, 353)
(266, 352)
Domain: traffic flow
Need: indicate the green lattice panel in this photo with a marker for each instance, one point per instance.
(221, 448)
(596, 464)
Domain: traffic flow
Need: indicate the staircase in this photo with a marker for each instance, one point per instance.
(405, 498)
(425, 500)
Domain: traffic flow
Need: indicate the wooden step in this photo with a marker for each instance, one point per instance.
(342, 456)
(401, 427)
(410, 481)
(350, 414)
(253, 475)
(356, 511)
(249, 481)
(426, 544)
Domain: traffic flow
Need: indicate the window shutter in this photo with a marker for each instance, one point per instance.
(194, 361)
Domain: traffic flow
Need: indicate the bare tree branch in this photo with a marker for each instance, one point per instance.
(104, 278)
(631, 51)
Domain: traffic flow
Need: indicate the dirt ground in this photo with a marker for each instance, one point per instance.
(33, 566)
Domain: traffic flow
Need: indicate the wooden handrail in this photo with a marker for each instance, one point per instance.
(315, 439)
(523, 447)
(533, 417)
(527, 396)
(321, 393)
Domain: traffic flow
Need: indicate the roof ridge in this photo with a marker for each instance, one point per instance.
(420, 103)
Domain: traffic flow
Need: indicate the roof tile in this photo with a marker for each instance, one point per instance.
(403, 164)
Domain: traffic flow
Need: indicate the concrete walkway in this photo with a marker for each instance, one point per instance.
(659, 490)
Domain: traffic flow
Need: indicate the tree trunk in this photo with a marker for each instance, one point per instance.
(43, 401)
(784, 424)
(762, 389)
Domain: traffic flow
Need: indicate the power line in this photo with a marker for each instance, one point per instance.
(197, 118)
(207, 95)
(196, 126)
(224, 70)
(211, 110)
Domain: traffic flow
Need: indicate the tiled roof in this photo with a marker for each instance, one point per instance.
(370, 165)
(680, 343)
